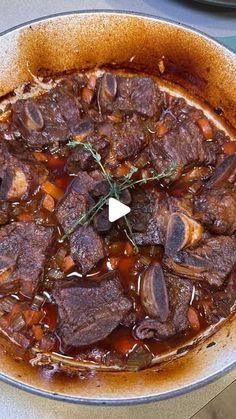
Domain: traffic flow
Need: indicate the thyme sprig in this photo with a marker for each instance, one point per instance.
(115, 189)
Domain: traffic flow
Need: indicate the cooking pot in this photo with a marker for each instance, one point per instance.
(183, 59)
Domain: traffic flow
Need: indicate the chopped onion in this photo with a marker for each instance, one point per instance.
(139, 358)
(37, 302)
(145, 260)
(17, 323)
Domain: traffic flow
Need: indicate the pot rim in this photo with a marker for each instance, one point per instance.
(136, 400)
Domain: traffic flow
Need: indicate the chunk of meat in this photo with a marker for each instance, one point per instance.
(130, 94)
(223, 173)
(49, 118)
(146, 231)
(85, 244)
(76, 201)
(128, 139)
(80, 159)
(86, 248)
(211, 261)
(23, 252)
(90, 311)
(183, 145)
(179, 292)
(217, 209)
(20, 173)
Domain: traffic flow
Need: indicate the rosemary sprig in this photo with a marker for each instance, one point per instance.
(116, 188)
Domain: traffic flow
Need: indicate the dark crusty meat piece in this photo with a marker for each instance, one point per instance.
(128, 139)
(211, 261)
(49, 118)
(80, 159)
(179, 295)
(85, 244)
(222, 300)
(217, 209)
(146, 231)
(23, 252)
(20, 173)
(86, 248)
(76, 201)
(185, 145)
(89, 311)
(130, 94)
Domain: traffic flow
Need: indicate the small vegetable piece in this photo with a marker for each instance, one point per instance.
(48, 203)
(67, 264)
(25, 216)
(17, 323)
(87, 95)
(125, 345)
(154, 296)
(37, 331)
(129, 249)
(5, 115)
(123, 169)
(40, 156)
(193, 319)
(205, 125)
(37, 302)
(114, 262)
(229, 148)
(55, 162)
(32, 316)
(52, 190)
(139, 358)
(161, 130)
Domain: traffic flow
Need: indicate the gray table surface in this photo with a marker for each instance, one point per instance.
(216, 22)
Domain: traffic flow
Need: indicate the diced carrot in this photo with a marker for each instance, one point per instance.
(161, 129)
(125, 344)
(129, 249)
(126, 263)
(207, 306)
(114, 262)
(5, 115)
(55, 162)
(53, 190)
(87, 95)
(230, 147)
(206, 128)
(193, 319)
(37, 331)
(63, 182)
(116, 117)
(48, 203)
(25, 216)
(92, 82)
(123, 169)
(32, 317)
(67, 264)
(40, 156)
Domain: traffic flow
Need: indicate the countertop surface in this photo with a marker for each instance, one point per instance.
(217, 22)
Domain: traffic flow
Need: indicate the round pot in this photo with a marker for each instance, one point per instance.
(196, 64)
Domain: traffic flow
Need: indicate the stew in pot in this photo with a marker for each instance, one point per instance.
(77, 291)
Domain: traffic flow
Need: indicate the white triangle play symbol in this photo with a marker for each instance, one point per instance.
(116, 209)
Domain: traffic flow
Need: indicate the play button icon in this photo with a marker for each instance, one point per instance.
(116, 209)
